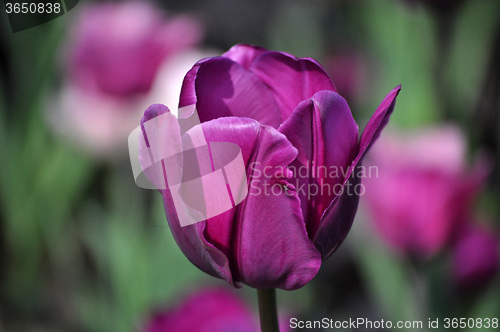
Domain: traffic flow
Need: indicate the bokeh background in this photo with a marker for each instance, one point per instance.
(82, 248)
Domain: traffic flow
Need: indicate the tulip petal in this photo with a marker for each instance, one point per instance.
(221, 87)
(291, 79)
(378, 121)
(286, 257)
(244, 54)
(190, 239)
(244, 132)
(338, 217)
(194, 245)
(326, 135)
(265, 235)
(188, 92)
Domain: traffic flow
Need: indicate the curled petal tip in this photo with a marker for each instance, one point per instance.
(378, 121)
(153, 111)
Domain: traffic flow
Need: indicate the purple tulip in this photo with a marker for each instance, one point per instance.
(475, 256)
(290, 123)
(117, 48)
(423, 191)
(120, 58)
(349, 71)
(208, 310)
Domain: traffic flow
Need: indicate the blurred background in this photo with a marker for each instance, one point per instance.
(82, 248)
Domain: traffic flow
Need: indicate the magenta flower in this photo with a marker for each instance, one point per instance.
(423, 190)
(120, 58)
(475, 256)
(349, 70)
(117, 48)
(294, 131)
(208, 310)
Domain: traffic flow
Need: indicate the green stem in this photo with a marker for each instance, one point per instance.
(267, 310)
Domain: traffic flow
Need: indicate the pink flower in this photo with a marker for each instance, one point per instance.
(208, 310)
(120, 58)
(423, 189)
(475, 256)
(117, 48)
(349, 73)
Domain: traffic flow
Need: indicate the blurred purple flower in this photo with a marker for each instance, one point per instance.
(284, 113)
(117, 48)
(475, 256)
(208, 310)
(423, 190)
(349, 72)
(120, 58)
